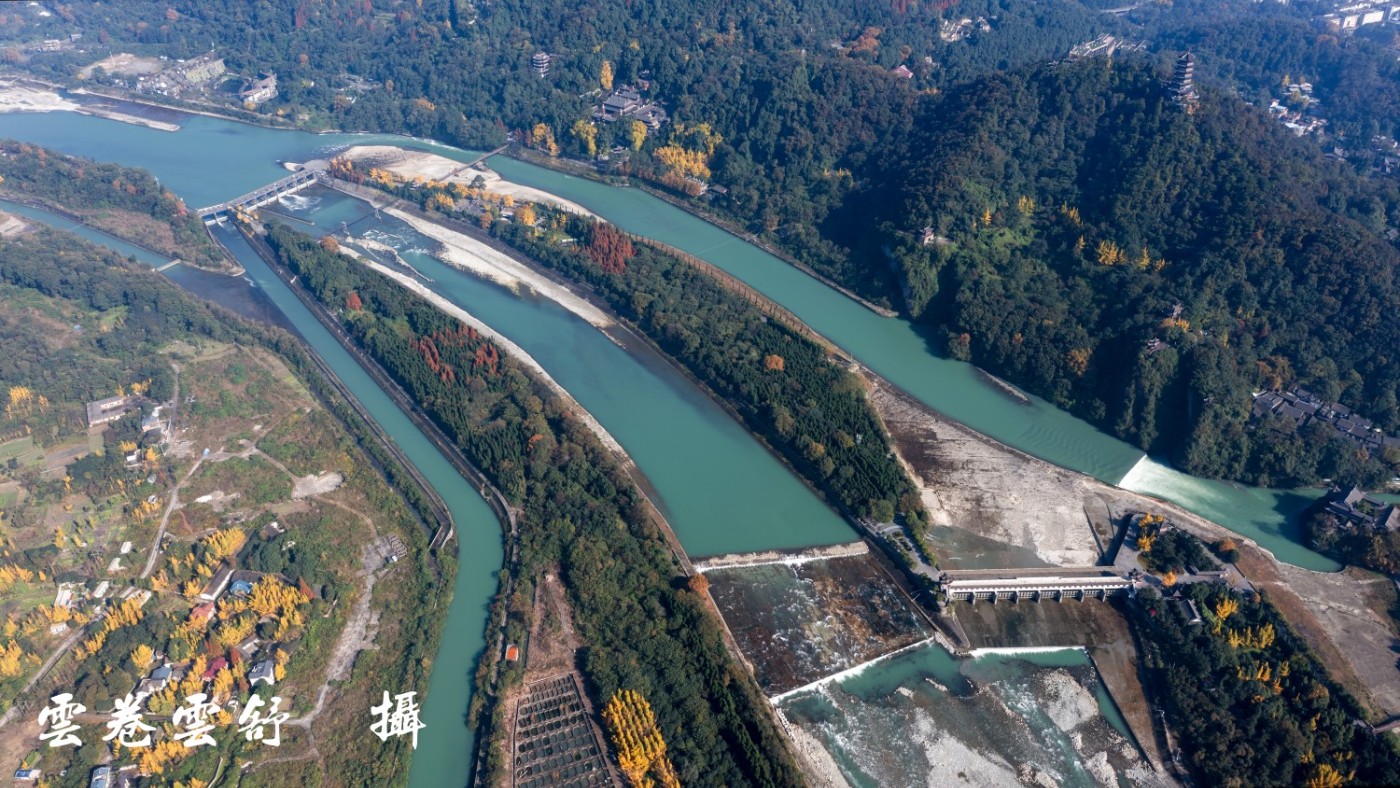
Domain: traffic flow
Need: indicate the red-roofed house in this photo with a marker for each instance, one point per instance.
(217, 665)
(203, 613)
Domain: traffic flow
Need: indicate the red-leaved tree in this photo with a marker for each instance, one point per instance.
(610, 248)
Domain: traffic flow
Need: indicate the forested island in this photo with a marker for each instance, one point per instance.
(123, 201)
(581, 518)
(786, 386)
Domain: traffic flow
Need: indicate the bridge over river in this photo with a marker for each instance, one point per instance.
(309, 173)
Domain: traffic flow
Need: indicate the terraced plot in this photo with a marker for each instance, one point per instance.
(554, 743)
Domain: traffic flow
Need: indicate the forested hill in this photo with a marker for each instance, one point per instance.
(1145, 267)
(796, 92)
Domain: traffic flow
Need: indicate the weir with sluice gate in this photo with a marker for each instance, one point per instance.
(1030, 585)
(307, 174)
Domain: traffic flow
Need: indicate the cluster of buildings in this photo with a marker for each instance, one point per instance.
(237, 583)
(184, 76)
(195, 78)
(1355, 509)
(106, 411)
(1104, 46)
(54, 44)
(1302, 407)
(626, 102)
(1298, 110)
(100, 776)
(958, 29)
(75, 596)
(1349, 17)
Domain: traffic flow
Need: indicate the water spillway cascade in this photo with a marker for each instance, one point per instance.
(309, 173)
(973, 585)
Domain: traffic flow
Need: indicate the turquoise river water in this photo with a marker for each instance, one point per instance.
(721, 490)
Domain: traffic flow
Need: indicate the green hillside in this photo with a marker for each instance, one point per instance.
(1147, 267)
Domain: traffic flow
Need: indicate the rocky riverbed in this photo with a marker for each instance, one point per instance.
(800, 622)
(991, 507)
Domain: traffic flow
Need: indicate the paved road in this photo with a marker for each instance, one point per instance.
(44, 670)
(174, 491)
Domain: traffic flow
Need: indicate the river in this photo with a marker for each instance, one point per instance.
(723, 492)
(720, 489)
(892, 347)
(896, 349)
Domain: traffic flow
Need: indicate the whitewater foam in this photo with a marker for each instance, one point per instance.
(849, 672)
(1022, 650)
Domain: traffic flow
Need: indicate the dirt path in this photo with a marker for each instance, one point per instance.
(44, 671)
(165, 519)
(360, 628)
(174, 491)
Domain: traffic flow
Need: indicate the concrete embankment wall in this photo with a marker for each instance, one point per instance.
(734, 560)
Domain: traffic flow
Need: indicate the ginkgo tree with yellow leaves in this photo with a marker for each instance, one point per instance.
(641, 751)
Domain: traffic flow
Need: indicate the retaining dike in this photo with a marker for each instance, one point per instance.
(765, 557)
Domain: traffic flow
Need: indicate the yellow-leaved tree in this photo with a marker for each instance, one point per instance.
(542, 137)
(1325, 776)
(587, 135)
(1224, 609)
(224, 543)
(141, 657)
(223, 683)
(11, 660)
(1109, 253)
(641, 752)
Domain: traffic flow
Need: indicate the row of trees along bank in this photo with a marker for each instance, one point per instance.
(784, 385)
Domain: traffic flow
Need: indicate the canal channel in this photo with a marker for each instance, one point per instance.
(722, 491)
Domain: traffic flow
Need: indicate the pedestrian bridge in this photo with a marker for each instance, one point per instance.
(1032, 585)
(310, 173)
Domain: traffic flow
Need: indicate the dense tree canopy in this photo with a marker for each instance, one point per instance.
(1072, 228)
(799, 93)
(1249, 702)
(785, 385)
